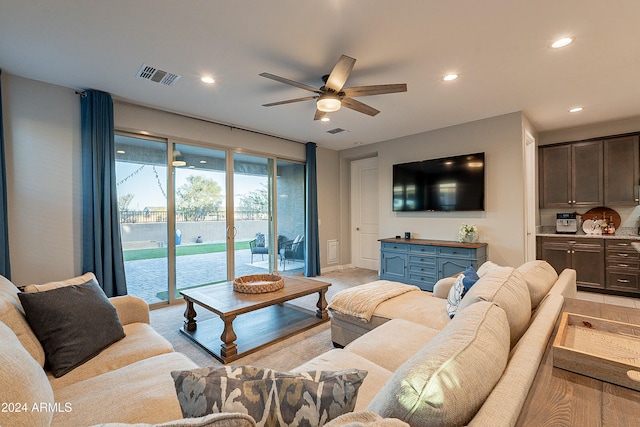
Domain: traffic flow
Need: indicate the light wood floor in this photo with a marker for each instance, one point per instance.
(609, 299)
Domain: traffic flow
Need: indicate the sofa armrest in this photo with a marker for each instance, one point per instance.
(566, 284)
(365, 419)
(131, 309)
(442, 287)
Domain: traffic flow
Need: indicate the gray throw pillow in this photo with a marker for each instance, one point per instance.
(73, 324)
(270, 397)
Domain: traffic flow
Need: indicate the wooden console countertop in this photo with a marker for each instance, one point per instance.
(426, 242)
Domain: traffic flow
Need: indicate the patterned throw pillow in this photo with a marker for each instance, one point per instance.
(455, 295)
(260, 240)
(272, 398)
(458, 290)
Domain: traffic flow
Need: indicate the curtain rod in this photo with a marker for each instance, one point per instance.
(82, 93)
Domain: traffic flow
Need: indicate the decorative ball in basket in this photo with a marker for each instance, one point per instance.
(258, 283)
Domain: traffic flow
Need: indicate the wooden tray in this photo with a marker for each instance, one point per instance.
(599, 348)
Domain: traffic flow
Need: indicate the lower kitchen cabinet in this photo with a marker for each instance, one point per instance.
(424, 262)
(623, 266)
(612, 265)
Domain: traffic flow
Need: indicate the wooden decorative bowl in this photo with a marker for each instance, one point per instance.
(258, 283)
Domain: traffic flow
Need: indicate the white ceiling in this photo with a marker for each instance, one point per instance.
(500, 48)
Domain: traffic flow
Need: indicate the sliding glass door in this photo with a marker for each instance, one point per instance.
(252, 214)
(199, 184)
(192, 215)
(141, 173)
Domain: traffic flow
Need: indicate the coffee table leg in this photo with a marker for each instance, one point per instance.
(321, 312)
(228, 348)
(190, 315)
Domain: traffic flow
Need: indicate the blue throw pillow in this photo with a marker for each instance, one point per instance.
(470, 278)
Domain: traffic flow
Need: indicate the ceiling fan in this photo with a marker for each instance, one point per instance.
(333, 94)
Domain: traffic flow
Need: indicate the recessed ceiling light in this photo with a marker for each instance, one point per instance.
(562, 42)
(208, 80)
(325, 119)
(449, 77)
(576, 109)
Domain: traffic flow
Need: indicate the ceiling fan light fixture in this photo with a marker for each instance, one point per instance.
(328, 103)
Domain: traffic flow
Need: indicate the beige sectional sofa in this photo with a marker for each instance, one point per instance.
(427, 369)
(127, 382)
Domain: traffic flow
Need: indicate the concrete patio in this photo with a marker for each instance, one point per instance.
(147, 278)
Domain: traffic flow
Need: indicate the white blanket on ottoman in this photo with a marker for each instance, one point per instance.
(361, 301)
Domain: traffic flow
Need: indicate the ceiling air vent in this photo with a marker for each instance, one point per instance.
(147, 72)
(336, 131)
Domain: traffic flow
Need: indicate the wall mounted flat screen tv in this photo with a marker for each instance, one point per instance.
(447, 184)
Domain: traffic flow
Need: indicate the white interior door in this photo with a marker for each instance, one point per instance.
(365, 248)
(530, 197)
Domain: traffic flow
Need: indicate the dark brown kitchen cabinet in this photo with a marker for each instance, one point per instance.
(623, 266)
(585, 255)
(572, 175)
(621, 171)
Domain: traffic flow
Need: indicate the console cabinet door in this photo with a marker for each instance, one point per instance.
(556, 252)
(621, 171)
(393, 266)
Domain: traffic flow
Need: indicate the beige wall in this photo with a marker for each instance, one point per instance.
(42, 137)
(43, 148)
(501, 225)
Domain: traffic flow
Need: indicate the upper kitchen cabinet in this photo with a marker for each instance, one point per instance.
(571, 175)
(590, 173)
(621, 171)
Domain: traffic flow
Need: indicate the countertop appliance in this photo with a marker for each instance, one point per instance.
(566, 223)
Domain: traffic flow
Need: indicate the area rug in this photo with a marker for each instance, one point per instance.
(284, 355)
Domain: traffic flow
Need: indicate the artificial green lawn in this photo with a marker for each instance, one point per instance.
(202, 248)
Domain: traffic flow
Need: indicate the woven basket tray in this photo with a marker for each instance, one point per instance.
(258, 283)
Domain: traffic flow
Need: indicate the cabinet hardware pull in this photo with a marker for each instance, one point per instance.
(568, 251)
(622, 244)
(623, 281)
(623, 265)
(624, 255)
(571, 241)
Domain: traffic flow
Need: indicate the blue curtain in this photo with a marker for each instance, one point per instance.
(102, 247)
(312, 249)
(5, 267)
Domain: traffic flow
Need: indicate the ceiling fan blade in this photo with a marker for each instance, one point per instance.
(290, 82)
(374, 90)
(359, 107)
(290, 101)
(340, 73)
(319, 115)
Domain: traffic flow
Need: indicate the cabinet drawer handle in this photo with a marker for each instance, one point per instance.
(623, 281)
(571, 241)
(622, 244)
(623, 265)
(623, 255)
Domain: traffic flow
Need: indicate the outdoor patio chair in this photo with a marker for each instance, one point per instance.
(292, 250)
(258, 246)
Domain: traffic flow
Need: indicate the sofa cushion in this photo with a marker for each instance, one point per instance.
(365, 419)
(486, 267)
(73, 323)
(142, 392)
(342, 359)
(507, 288)
(12, 315)
(79, 280)
(141, 341)
(540, 277)
(271, 398)
(416, 306)
(446, 382)
(24, 384)
(393, 343)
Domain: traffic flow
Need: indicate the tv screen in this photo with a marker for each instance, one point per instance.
(447, 184)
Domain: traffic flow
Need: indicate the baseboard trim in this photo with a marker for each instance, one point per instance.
(335, 268)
